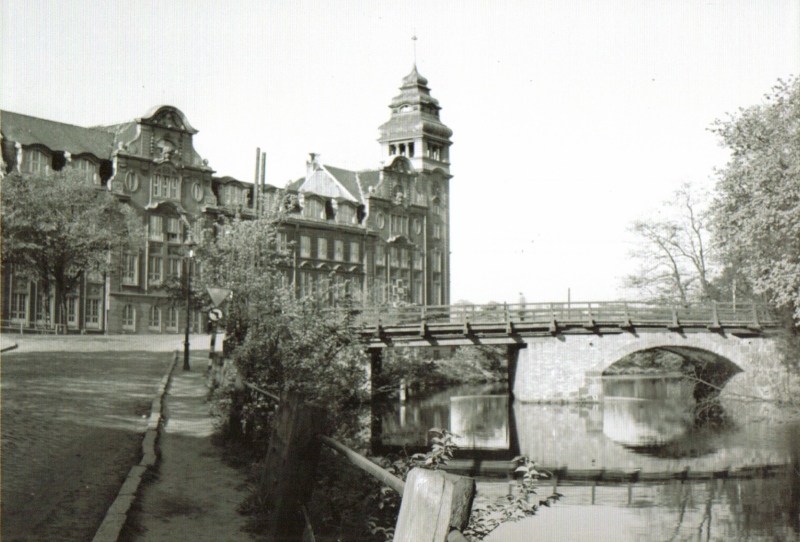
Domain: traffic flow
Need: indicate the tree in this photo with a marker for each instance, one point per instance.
(757, 206)
(57, 228)
(673, 251)
(277, 341)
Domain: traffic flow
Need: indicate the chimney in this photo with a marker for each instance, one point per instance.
(312, 164)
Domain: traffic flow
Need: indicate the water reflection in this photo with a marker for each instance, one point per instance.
(658, 434)
(665, 432)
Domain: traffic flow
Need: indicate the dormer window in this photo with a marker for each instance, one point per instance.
(88, 170)
(36, 162)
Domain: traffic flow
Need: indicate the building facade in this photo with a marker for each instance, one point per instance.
(381, 233)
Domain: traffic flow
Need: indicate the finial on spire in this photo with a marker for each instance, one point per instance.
(414, 39)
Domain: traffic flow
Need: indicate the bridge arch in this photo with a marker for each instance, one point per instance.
(570, 368)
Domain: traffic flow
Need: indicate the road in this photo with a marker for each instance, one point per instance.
(72, 425)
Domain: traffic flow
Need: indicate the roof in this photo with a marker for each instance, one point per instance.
(56, 136)
(337, 183)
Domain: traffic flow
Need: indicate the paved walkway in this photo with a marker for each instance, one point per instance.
(194, 494)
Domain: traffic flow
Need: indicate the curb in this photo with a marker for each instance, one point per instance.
(117, 514)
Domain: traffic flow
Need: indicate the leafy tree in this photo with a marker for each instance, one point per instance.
(277, 341)
(57, 228)
(757, 206)
(673, 251)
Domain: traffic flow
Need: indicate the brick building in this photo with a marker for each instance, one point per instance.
(384, 233)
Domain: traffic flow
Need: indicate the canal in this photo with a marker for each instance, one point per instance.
(644, 425)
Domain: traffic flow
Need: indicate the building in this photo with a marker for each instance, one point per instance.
(383, 233)
(397, 216)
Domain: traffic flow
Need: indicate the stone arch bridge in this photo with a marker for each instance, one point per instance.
(558, 352)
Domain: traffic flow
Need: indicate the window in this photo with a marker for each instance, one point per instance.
(72, 311)
(394, 261)
(174, 267)
(174, 230)
(165, 186)
(346, 215)
(399, 225)
(392, 150)
(404, 258)
(172, 319)
(197, 192)
(283, 243)
(87, 169)
(417, 293)
(436, 262)
(313, 208)
(338, 250)
(132, 181)
(354, 256)
(322, 249)
(306, 283)
(155, 269)
(129, 318)
(19, 306)
(154, 321)
(437, 231)
(417, 261)
(305, 246)
(130, 269)
(93, 313)
(411, 149)
(197, 270)
(380, 221)
(380, 255)
(36, 162)
(156, 228)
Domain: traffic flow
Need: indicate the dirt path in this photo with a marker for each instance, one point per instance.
(194, 494)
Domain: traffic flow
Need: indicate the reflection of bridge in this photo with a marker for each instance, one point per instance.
(558, 351)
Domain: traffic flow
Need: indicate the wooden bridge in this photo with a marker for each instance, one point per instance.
(494, 323)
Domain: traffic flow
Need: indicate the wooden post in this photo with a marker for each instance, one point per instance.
(291, 467)
(434, 504)
(376, 423)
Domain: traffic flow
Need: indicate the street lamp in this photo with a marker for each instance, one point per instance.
(189, 251)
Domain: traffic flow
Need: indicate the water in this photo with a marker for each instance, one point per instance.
(662, 433)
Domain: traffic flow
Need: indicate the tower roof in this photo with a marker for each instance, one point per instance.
(414, 112)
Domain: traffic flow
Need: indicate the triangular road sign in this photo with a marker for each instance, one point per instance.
(218, 295)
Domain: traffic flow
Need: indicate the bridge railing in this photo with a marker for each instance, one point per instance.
(620, 313)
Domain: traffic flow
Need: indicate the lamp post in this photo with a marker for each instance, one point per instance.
(189, 247)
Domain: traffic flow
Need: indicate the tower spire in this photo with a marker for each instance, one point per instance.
(414, 39)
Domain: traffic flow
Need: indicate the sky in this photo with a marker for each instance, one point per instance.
(570, 118)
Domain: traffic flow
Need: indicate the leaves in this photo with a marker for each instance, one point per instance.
(757, 207)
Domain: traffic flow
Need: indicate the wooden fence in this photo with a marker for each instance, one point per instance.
(435, 505)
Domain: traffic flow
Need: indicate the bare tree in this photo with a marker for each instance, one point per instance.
(672, 250)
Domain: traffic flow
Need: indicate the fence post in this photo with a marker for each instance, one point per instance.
(291, 466)
(434, 503)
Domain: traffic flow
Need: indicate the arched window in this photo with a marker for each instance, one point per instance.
(132, 181)
(129, 318)
(154, 322)
(172, 319)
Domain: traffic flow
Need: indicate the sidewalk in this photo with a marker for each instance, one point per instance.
(193, 493)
